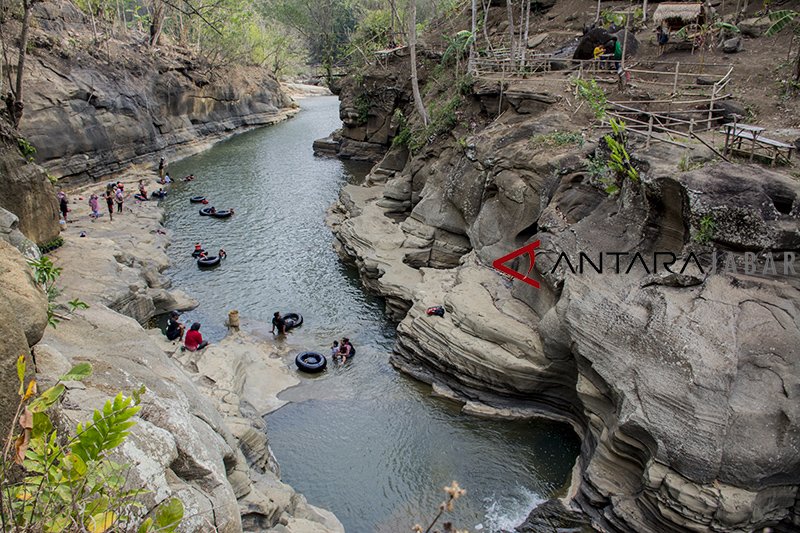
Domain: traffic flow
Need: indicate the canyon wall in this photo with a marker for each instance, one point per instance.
(681, 384)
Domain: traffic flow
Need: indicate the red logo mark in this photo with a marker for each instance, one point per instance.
(529, 249)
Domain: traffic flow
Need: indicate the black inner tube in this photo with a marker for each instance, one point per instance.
(205, 211)
(209, 261)
(197, 199)
(292, 320)
(311, 362)
(222, 213)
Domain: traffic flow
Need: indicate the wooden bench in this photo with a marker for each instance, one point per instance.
(769, 149)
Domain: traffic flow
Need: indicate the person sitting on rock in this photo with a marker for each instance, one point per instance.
(194, 340)
(174, 327)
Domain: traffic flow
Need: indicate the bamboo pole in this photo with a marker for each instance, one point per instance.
(649, 131)
(675, 83)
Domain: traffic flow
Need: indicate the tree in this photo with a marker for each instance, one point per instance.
(786, 18)
(14, 101)
(411, 13)
(326, 26)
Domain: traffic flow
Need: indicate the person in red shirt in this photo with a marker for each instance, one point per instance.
(194, 340)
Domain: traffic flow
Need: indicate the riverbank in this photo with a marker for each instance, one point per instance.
(200, 436)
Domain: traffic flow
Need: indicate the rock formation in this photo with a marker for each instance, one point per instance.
(682, 385)
(200, 435)
(26, 192)
(93, 111)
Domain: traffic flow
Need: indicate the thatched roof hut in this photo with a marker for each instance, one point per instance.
(676, 15)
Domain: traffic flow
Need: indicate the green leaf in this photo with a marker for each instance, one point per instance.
(145, 526)
(780, 19)
(78, 372)
(47, 398)
(21, 374)
(41, 425)
(169, 515)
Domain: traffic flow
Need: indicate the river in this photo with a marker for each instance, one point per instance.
(365, 441)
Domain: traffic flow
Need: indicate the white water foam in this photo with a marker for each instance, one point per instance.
(505, 513)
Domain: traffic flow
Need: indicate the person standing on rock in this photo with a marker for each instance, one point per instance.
(109, 196)
(94, 205)
(194, 340)
(162, 164)
(119, 197)
(63, 204)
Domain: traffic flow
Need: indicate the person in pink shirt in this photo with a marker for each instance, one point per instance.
(94, 204)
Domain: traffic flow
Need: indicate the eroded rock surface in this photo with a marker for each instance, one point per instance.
(681, 384)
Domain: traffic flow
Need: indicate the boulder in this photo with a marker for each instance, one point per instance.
(23, 319)
(26, 192)
(733, 45)
(754, 27)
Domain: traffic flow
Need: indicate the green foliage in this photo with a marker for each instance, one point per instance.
(52, 179)
(558, 138)
(591, 93)
(780, 20)
(706, 228)
(49, 246)
(457, 47)
(619, 160)
(26, 149)
(55, 484)
(362, 104)
(443, 118)
(45, 274)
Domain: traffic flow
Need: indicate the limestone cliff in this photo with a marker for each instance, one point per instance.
(26, 192)
(91, 111)
(682, 386)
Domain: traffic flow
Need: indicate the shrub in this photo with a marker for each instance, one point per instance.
(592, 94)
(26, 149)
(45, 273)
(706, 228)
(55, 484)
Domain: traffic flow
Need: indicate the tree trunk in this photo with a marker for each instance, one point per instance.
(16, 114)
(486, 7)
(157, 24)
(797, 67)
(510, 12)
(474, 30)
(392, 16)
(644, 11)
(412, 48)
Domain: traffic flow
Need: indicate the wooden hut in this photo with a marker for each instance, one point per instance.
(676, 15)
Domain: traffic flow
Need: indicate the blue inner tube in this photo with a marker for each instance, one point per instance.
(140, 197)
(159, 194)
(205, 211)
(311, 362)
(211, 261)
(292, 320)
(196, 253)
(222, 213)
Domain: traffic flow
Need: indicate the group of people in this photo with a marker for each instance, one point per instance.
(342, 351)
(200, 253)
(612, 49)
(193, 340)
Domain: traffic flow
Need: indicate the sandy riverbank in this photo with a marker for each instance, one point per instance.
(201, 436)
